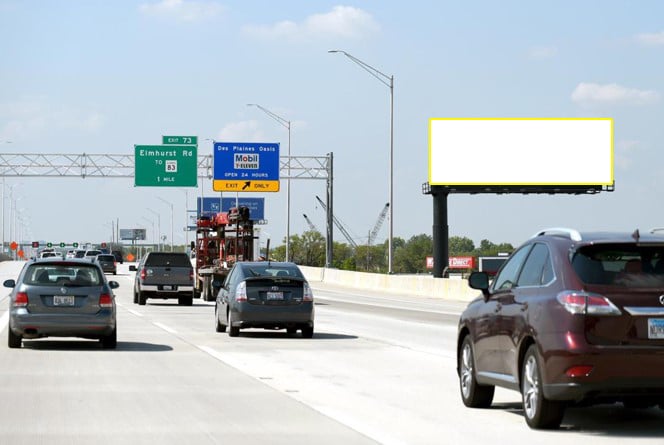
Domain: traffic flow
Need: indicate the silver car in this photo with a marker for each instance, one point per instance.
(62, 298)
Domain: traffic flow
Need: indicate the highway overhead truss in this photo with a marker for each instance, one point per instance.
(86, 165)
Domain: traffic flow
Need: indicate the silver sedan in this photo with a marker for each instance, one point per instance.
(62, 298)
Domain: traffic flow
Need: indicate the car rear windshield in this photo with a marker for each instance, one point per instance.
(168, 259)
(62, 275)
(105, 258)
(272, 271)
(620, 265)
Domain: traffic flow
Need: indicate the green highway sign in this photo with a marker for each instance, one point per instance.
(179, 140)
(165, 166)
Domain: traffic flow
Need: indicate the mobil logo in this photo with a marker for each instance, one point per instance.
(246, 161)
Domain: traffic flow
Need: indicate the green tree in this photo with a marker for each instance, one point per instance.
(487, 248)
(343, 256)
(308, 249)
(461, 246)
(411, 257)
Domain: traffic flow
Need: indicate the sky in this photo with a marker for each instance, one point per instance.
(98, 77)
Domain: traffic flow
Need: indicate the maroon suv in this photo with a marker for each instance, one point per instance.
(570, 318)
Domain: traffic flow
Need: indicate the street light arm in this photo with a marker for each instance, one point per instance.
(164, 201)
(383, 78)
(276, 117)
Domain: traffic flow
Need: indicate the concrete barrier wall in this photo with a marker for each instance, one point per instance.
(456, 289)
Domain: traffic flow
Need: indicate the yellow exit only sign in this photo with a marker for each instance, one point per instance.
(223, 185)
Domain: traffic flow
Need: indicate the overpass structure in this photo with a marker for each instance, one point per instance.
(85, 165)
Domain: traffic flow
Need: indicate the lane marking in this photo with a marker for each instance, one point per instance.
(4, 320)
(164, 327)
(428, 311)
(131, 311)
(212, 352)
(330, 412)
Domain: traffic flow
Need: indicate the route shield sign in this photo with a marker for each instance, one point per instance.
(246, 167)
(165, 166)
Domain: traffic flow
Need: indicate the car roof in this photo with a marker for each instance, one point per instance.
(654, 236)
(267, 263)
(60, 260)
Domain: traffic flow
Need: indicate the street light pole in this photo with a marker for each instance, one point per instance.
(287, 124)
(186, 219)
(2, 247)
(170, 204)
(389, 82)
(158, 227)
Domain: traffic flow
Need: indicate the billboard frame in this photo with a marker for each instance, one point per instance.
(517, 136)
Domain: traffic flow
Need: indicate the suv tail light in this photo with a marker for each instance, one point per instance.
(308, 294)
(241, 291)
(144, 273)
(21, 300)
(587, 303)
(105, 300)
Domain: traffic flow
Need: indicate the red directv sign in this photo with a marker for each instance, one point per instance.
(462, 262)
(456, 262)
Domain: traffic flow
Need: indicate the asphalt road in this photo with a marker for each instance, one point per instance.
(380, 369)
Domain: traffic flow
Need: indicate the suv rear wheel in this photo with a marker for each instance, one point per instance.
(473, 394)
(13, 340)
(185, 300)
(110, 341)
(540, 413)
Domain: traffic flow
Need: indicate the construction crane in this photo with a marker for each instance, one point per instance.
(340, 226)
(312, 227)
(379, 224)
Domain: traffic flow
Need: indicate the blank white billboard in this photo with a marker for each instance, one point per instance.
(521, 151)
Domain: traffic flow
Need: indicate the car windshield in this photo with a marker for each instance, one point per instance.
(62, 275)
(272, 271)
(620, 265)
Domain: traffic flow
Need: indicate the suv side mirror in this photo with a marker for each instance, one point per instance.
(480, 281)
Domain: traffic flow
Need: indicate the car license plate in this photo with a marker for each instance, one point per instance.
(656, 328)
(275, 295)
(168, 287)
(63, 300)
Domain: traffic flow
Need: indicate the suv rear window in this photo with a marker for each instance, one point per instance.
(110, 258)
(167, 259)
(620, 265)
